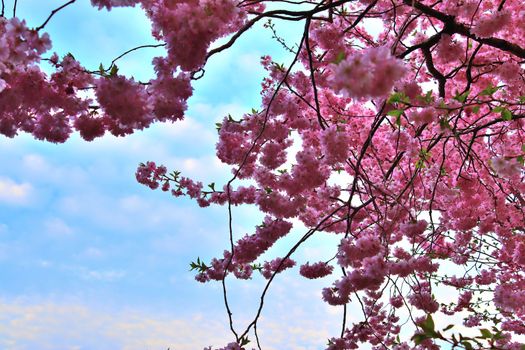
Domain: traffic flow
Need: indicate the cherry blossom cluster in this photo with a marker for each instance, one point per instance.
(367, 74)
(406, 142)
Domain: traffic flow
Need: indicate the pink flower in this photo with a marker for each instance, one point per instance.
(368, 74)
(316, 270)
(491, 23)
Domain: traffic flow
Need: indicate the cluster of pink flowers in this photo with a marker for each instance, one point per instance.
(230, 346)
(317, 270)
(114, 3)
(124, 102)
(424, 116)
(150, 174)
(511, 297)
(449, 50)
(382, 140)
(422, 298)
(334, 145)
(491, 23)
(249, 248)
(506, 167)
(189, 27)
(20, 47)
(368, 74)
(275, 266)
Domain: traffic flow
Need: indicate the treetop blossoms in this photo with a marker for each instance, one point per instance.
(397, 126)
(367, 74)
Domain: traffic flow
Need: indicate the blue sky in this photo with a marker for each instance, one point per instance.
(89, 259)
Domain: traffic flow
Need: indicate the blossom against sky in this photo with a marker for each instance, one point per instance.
(89, 259)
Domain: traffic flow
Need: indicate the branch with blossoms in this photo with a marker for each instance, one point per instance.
(410, 146)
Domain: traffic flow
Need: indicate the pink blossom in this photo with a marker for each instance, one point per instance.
(276, 265)
(367, 74)
(316, 270)
(491, 23)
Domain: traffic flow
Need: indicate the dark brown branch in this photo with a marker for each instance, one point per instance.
(435, 73)
(53, 13)
(320, 119)
(454, 27)
(131, 50)
(361, 16)
(282, 14)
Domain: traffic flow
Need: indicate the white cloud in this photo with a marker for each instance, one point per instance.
(56, 227)
(215, 113)
(103, 275)
(250, 62)
(35, 163)
(51, 325)
(188, 129)
(92, 253)
(14, 193)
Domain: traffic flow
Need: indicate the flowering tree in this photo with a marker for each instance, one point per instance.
(418, 103)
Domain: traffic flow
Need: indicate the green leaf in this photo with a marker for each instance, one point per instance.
(244, 341)
(444, 124)
(398, 97)
(497, 109)
(428, 97)
(395, 112)
(340, 56)
(475, 109)
(212, 186)
(506, 114)
(450, 325)
(113, 71)
(467, 345)
(419, 338)
(489, 90)
(199, 266)
(485, 333)
(428, 325)
(101, 69)
(462, 97)
(498, 335)
(520, 160)
(425, 155)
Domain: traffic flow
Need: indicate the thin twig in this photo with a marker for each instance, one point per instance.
(53, 13)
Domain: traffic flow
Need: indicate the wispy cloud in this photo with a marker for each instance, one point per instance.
(14, 193)
(105, 275)
(56, 227)
(57, 326)
(52, 325)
